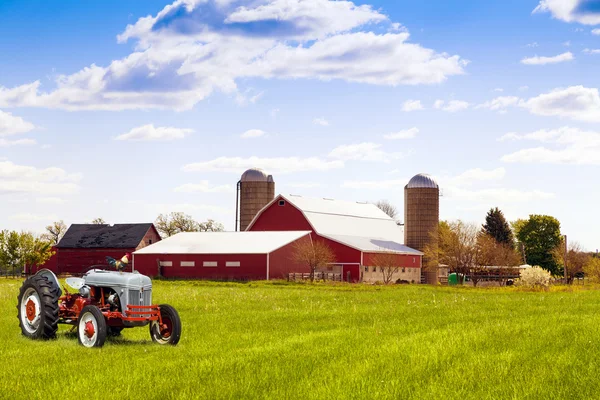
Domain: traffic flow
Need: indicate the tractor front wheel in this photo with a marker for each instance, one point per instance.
(169, 332)
(38, 308)
(91, 328)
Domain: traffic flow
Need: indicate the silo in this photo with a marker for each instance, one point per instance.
(255, 190)
(421, 215)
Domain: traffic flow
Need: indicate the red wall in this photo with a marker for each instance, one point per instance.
(405, 261)
(151, 237)
(252, 267)
(281, 218)
(281, 262)
(77, 261)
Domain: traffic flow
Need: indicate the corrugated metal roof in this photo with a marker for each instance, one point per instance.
(328, 224)
(368, 244)
(223, 243)
(337, 207)
(94, 236)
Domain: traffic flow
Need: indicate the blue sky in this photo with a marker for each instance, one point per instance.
(126, 109)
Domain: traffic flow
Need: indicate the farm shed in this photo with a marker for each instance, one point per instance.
(223, 255)
(85, 245)
(356, 232)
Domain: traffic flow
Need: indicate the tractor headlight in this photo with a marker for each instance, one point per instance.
(84, 291)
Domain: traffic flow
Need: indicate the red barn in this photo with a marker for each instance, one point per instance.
(85, 245)
(356, 232)
(223, 255)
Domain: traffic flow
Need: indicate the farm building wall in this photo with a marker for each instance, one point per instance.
(346, 257)
(150, 237)
(282, 262)
(78, 261)
(409, 268)
(203, 266)
(284, 217)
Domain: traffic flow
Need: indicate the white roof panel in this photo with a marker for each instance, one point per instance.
(223, 243)
(337, 207)
(327, 224)
(368, 244)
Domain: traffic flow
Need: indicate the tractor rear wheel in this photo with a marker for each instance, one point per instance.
(169, 332)
(37, 308)
(91, 327)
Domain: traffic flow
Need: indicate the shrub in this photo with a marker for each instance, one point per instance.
(535, 277)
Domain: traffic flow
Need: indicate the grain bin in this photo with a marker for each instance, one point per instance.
(254, 191)
(421, 213)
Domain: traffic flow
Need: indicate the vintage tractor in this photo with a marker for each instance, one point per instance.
(105, 302)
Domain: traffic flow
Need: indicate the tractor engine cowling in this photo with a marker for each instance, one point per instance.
(131, 288)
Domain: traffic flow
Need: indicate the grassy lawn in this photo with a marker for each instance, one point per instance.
(279, 341)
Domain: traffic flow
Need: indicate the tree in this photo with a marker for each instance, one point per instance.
(592, 269)
(457, 247)
(388, 264)
(387, 208)
(576, 259)
(18, 250)
(98, 221)
(314, 254)
(54, 232)
(490, 253)
(540, 235)
(176, 222)
(497, 227)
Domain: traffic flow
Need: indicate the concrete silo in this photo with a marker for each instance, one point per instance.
(421, 213)
(254, 191)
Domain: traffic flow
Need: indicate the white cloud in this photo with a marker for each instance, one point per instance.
(563, 146)
(451, 106)
(476, 175)
(567, 43)
(403, 134)
(523, 88)
(412, 105)
(596, 31)
(12, 125)
(500, 90)
(533, 44)
(321, 121)
(575, 102)
(500, 103)
(375, 185)
(151, 133)
(582, 11)
(252, 133)
(363, 152)
(191, 49)
(204, 186)
(568, 56)
(50, 200)
(16, 178)
(272, 165)
(591, 51)
(496, 195)
(18, 142)
(304, 185)
(274, 112)
(29, 217)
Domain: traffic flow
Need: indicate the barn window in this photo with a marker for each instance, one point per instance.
(232, 264)
(188, 264)
(210, 264)
(149, 241)
(414, 260)
(403, 270)
(282, 202)
(166, 263)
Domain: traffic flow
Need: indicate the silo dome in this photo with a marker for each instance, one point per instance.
(422, 181)
(255, 175)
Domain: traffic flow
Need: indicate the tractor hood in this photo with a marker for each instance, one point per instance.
(115, 279)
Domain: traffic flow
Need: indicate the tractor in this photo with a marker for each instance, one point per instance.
(101, 303)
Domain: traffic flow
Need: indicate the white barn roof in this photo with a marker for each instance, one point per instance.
(372, 245)
(223, 243)
(338, 217)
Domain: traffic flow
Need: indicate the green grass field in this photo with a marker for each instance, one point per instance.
(280, 341)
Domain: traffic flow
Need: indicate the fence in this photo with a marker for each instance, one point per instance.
(319, 276)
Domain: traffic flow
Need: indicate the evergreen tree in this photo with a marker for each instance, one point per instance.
(497, 227)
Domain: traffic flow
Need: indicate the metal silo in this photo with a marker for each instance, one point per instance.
(255, 190)
(421, 212)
